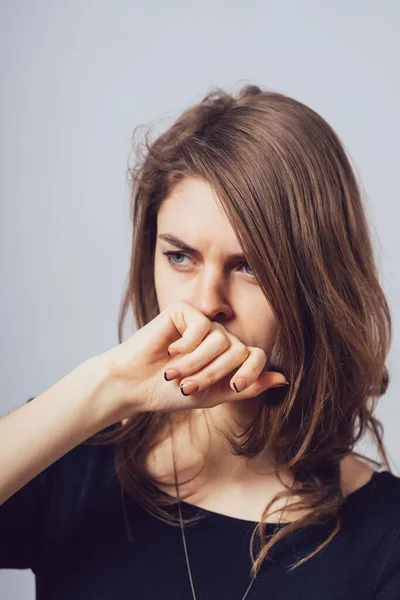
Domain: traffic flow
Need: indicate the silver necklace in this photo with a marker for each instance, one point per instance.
(183, 533)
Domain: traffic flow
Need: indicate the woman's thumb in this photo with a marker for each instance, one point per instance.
(274, 379)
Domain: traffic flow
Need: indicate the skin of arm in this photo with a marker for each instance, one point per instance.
(38, 433)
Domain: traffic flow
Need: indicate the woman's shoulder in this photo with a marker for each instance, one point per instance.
(356, 475)
(372, 521)
(371, 494)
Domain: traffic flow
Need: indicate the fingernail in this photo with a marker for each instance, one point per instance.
(279, 384)
(240, 384)
(171, 374)
(190, 387)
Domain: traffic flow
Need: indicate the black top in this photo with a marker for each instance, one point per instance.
(67, 525)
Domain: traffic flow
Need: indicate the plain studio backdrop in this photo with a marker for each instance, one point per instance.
(77, 77)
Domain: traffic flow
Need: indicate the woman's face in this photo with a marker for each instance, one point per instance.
(222, 288)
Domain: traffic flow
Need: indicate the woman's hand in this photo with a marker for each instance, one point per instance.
(142, 376)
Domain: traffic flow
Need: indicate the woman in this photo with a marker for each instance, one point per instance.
(252, 268)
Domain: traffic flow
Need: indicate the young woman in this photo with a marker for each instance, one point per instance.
(212, 454)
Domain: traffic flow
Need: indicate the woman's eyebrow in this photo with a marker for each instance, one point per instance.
(176, 241)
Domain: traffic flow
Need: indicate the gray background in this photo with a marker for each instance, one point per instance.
(78, 76)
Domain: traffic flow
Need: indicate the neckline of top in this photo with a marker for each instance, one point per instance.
(221, 516)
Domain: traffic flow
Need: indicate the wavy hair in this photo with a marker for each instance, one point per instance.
(287, 186)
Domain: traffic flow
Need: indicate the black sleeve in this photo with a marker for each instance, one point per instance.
(23, 523)
(389, 583)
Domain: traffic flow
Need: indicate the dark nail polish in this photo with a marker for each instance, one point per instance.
(240, 384)
(191, 388)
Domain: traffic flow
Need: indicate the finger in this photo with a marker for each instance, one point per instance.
(212, 346)
(191, 323)
(251, 361)
(265, 380)
(249, 371)
(222, 392)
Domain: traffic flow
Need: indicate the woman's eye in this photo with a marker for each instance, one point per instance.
(171, 255)
(247, 265)
(171, 259)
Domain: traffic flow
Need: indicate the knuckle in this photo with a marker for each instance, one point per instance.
(221, 340)
(261, 354)
(240, 352)
(210, 378)
(253, 372)
(258, 353)
(218, 329)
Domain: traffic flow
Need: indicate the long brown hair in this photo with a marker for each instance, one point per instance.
(289, 191)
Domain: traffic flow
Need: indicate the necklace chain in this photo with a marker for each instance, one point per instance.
(183, 532)
(188, 563)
